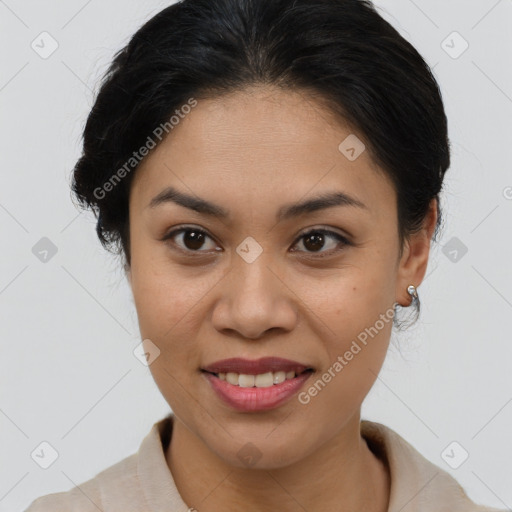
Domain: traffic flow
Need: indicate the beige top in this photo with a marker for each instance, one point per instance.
(142, 482)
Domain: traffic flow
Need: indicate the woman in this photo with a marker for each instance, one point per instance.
(269, 172)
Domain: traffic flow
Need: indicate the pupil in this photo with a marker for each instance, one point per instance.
(193, 240)
(317, 239)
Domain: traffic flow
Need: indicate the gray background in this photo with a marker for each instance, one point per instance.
(68, 325)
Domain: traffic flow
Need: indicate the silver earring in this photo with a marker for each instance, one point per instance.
(411, 290)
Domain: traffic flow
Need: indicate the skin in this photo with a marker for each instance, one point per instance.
(252, 152)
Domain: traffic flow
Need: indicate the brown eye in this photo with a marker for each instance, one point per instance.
(315, 240)
(191, 239)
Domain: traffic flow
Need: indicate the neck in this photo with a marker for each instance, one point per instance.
(342, 475)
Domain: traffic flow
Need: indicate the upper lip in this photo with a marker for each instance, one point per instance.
(255, 366)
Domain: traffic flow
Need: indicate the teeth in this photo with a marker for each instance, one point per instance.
(262, 380)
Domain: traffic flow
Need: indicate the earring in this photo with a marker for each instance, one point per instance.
(411, 290)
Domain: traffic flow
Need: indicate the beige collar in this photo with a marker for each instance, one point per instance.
(417, 485)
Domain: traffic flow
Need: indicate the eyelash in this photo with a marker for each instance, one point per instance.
(340, 238)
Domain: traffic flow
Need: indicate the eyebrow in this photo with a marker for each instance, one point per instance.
(197, 204)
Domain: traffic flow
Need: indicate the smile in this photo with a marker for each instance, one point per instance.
(246, 394)
(261, 380)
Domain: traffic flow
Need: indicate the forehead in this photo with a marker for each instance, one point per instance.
(263, 144)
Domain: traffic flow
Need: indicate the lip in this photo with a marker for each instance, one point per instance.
(256, 399)
(257, 366)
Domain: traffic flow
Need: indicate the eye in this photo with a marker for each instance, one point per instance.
(315, 239)
(192, 239)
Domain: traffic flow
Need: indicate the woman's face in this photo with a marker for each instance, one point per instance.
(253, 286)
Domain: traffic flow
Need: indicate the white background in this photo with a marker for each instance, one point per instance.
(68, 326)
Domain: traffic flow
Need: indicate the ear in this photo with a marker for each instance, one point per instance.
(414, 260)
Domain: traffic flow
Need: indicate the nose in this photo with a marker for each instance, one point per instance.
(254, 301)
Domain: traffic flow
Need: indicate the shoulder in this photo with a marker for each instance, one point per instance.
(138, 482)
(112, 486)
(416, 483)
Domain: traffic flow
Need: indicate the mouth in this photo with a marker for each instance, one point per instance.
(261, 373)
(260, 380)
(255, 393)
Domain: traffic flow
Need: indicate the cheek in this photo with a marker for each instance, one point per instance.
(355, 333)
(352, 297)
(170, 308)
(167, 313)
(162, 292)
(166, 308)
(353, 318)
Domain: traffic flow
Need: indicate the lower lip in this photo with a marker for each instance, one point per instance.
(256, 399)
